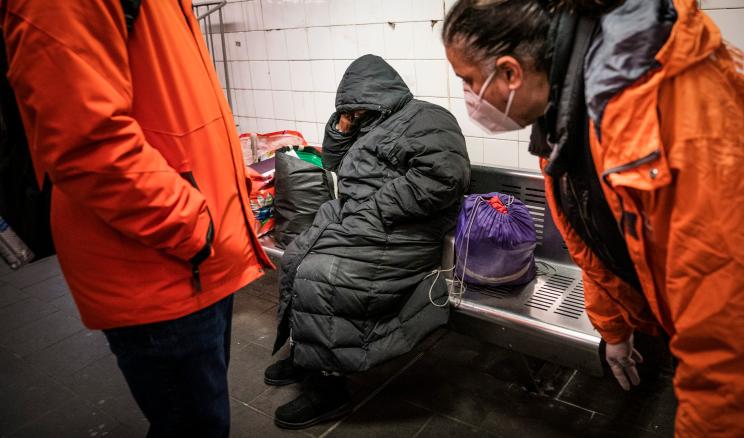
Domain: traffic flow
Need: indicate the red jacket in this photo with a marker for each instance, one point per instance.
(114, 120)
(670, 154)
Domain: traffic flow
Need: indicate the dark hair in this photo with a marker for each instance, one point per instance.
(487, 29)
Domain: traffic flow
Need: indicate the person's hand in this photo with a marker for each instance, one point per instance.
(345, 123)
(622, 359)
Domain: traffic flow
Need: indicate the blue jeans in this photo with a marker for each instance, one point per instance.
(177, 371)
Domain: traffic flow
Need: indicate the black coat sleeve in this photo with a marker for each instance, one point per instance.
(437, 169)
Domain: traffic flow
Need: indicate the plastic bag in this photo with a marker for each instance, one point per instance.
(495, 241)
(302, 186)
(261, 179)
(260, 147)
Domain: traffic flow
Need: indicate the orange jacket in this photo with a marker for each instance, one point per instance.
(671, 155)
(113, 119)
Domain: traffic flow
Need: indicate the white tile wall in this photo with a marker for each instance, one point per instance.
(287, 56)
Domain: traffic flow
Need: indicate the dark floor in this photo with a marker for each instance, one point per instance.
(59, 379)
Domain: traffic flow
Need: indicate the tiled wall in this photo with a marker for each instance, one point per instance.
(286, 58)
(729, 15)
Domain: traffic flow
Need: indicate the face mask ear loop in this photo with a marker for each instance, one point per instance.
(485, 86)
(509, 103)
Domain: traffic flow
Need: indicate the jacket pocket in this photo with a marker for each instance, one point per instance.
(206, 250)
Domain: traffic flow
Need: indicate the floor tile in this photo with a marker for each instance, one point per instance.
(124, 431)
(103, 386)
(273, 397)
(381, 373)
(23, 312)
(76, 418)
(648, 406)
(10, 294)
(552, 378)
(266, 288)
(518, 413)
(71, 354)
(245, 375)
(247, 304)
(603, 426)
(13, 370)
(383, 417)
(441, 427)
(67, 304)
(253, 325)
(28, 399)
(456, 379)
(4, 267)
(33, 273)
(46, 331)
(246, 422)
(49, 289)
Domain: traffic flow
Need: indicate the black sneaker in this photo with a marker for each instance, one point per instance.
(284, 372)
(323, 399)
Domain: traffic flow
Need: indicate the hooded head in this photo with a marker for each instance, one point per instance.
(372, 84)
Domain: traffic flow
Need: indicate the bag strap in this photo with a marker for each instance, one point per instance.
(131, 12)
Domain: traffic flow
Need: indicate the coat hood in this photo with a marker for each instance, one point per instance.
(624, 49)
(371, 83)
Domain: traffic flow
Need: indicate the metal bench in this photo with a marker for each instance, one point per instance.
(544, 319)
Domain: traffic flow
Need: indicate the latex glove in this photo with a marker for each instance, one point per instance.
(622, 359)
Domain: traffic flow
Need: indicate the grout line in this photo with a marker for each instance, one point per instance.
(576, 406)
(263, 414)
(220, 61)
(445, 415)
(421, 429)
(374, 393)
(570, 379)
(316, 26)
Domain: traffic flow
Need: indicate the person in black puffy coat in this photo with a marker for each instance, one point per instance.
(355, 286)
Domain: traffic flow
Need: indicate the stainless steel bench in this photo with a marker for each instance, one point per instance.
(544, 319)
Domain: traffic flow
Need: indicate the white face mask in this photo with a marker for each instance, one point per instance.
(486, 116)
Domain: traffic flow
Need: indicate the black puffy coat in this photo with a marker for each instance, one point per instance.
(354, 287)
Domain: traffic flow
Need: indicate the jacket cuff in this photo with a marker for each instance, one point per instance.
(616, 335)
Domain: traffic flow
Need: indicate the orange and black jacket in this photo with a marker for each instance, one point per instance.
(643, 152)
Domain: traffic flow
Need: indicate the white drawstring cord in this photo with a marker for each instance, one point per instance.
(438, 272)
(544, 269)
(463, 288)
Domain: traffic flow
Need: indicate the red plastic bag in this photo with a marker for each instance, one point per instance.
(261, 182)
(260, 147)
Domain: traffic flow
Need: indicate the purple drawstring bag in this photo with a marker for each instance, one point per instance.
(495, 241)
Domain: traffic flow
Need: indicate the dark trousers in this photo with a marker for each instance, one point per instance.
(177, 371)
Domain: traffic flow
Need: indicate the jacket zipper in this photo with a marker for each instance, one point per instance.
(653, 156)
(206, 250)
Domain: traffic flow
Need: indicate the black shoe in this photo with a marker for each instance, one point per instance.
(284, 372)
(323, 399)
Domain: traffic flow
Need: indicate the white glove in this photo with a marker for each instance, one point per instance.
(622, 359)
